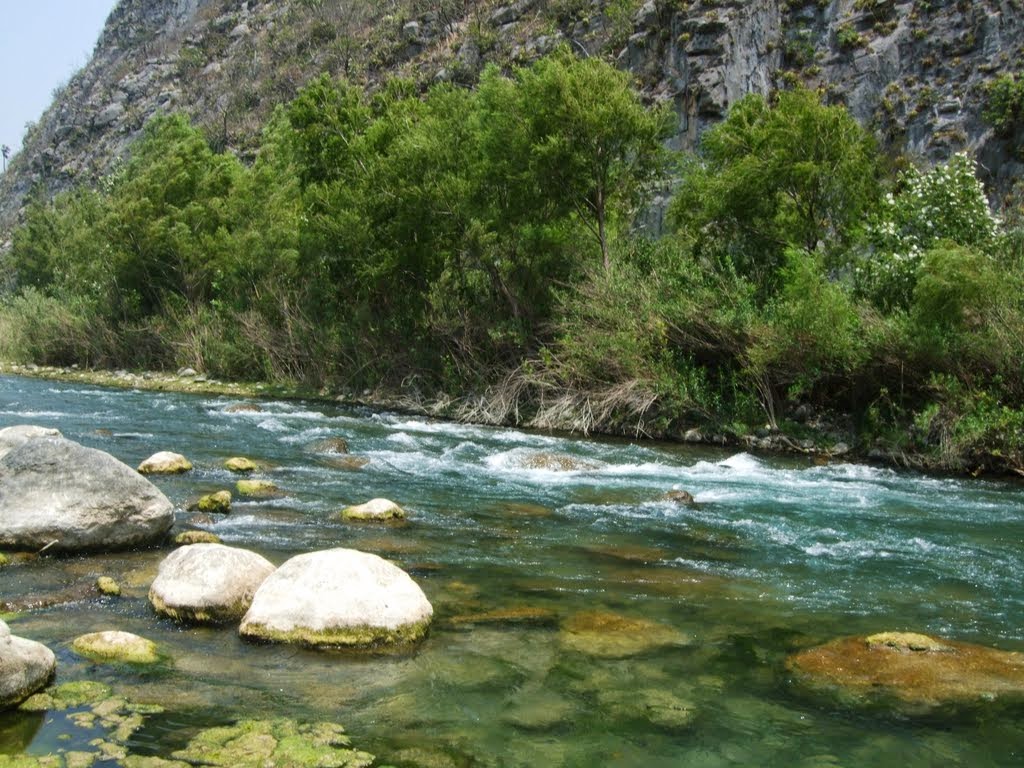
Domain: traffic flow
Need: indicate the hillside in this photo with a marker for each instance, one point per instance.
(912, 71)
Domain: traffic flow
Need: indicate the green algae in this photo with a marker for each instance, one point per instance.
(67, 696)
(107, 586)
(217, 503)
(358, 637)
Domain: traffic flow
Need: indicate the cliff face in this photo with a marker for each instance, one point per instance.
(913, 71)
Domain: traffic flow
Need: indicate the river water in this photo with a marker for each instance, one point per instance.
(777, 555)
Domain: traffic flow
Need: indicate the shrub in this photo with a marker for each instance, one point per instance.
(1004, 104)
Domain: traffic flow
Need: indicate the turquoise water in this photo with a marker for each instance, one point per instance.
(777, 555)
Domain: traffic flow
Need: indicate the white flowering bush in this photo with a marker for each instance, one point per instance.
(945, 204)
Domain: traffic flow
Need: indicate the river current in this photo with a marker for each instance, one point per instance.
(776, 555)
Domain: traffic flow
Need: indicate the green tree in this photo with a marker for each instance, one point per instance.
(793, 173)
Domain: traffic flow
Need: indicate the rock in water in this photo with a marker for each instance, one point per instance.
(613, 636)
(375, 509)
(328, 445)
(208, 583)
(116, 646)
(165, 463)
(217, 503)
(240, 464)
(679, 497)
(910, 673)
(56, 492)
(12, 437)
(25, 667)
(338, 597)
(256, 488)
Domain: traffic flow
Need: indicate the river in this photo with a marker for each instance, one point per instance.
(777, 555)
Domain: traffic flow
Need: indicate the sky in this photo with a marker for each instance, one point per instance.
(42, 43)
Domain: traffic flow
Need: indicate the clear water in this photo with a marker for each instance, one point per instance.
(778, 555)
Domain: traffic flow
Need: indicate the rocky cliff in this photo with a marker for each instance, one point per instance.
(914, 71)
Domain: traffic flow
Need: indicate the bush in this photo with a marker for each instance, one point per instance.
(35, 328)
(1004, 104)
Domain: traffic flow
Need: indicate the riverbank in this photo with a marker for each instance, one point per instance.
(820, 439)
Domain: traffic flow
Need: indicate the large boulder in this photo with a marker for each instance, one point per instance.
(12, 437)
(25, 667)
(208, 583)
(910, 673)
(55, 492)
(338, 597)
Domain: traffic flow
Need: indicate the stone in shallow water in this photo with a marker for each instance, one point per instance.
(556, 462)
(374, 510)
(208, 583)
(25, 667)
(107, 586)
(116, 646)
(57, 493)
(215, 503)
(911, 673)
(338, 597)
(347, 463)
(535, 707)
(328, 445)
(655, 705)
(274, 743)
(240, 464)
(257, 488)
(165, 463)
(243, 408)
(196, 537)
(612, 636)
(513, 616)
(630, 553)
(68, 696)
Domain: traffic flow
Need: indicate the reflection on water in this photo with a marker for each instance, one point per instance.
(520, 539)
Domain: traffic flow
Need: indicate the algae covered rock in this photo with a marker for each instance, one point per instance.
(374, 510)
(328, 445)
(338, 597)
(613, 636)
(68, 696)
(679, 497)
(25, 667)
(107, 586)
(555, 462)
(243, 408)
(208, 583)
(258, 488)
(657, 706)
(240, 464)
(116, 646)
(279, 743)
(215, 503)
(57, 493)
(165, 463)
(911, 673)
(196, 537)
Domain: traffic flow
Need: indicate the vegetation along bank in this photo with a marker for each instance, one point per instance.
(477, 249)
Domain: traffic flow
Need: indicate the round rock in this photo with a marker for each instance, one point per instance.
(240, 464)
(116, 646)
(165, 463)
(208, 583)
(338, 597)
(56, 492)
(217, 503)
(25, 667)
(374, 510)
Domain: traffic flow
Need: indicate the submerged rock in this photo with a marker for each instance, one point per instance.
(256, 488)
(911, 673)
(338, 597)
(218, 503)
(55, 492)
(274, 743)
(328, 445)
(240, 464)
(518, 616)
(655, 705)
(536, 708)
(25, 667)
(347, 463)
(165, 463)
(556, 462)
(613, 636)
(208, 583)
(116, 646)
(679, 497)
(243, 408)
(375, 509)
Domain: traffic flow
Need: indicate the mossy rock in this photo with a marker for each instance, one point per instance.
(196, 537)
(613, 636)
(107, 586)
(375, 510)
(910, 673)
(258, 488)
(280, 743)
(240, 464)
(556, 462)
(347, 463)
(117, 647)
(516, 616)
(4, 560)
(656, 706)
(215, 503)
(679, 497)
(536, 708)
(67, 696)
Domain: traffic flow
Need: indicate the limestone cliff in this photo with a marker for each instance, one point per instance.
(913, 71)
